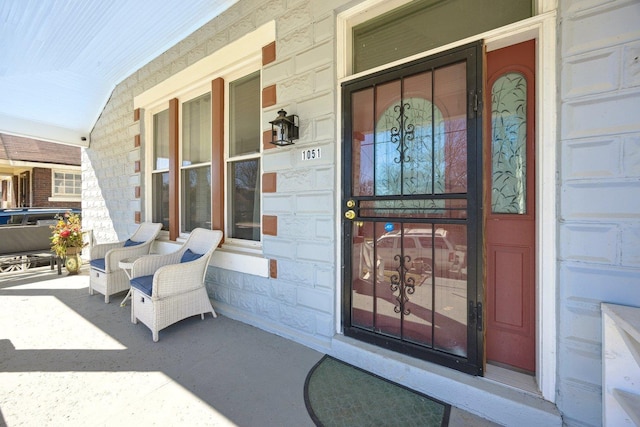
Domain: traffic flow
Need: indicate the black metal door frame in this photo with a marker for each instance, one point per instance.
(472, 54)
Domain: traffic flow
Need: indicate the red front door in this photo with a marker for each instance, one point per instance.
(509, 192)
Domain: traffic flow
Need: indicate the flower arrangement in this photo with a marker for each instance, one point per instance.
(67, 233)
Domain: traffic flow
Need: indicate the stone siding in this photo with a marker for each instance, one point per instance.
(599, 243)
(300, 301)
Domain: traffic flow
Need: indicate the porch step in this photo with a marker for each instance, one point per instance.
(485, 398)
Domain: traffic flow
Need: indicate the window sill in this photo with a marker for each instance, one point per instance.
(65, 199)
(230, 257)
(240, 262)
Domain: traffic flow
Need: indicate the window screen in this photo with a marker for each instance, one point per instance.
(426, 24)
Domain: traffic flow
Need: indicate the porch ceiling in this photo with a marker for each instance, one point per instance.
(61, 59)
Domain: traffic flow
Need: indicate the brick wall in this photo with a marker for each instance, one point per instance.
(599, 246)
(41, 186)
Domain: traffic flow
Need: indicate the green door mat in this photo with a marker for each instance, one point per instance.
(339, 394)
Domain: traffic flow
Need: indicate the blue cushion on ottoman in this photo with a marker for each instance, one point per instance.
(189, 255)
(143, 283)
(98, 264)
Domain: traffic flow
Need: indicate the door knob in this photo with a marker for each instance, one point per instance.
(350, 214)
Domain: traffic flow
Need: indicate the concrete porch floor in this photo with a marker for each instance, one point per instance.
(69, 359)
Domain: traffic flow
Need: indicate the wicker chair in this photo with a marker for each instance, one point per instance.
(170, 287)
(106, 277)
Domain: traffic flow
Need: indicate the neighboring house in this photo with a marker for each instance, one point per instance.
(514, 134)
(36, 173)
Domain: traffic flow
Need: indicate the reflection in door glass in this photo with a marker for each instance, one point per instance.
(410, 282)
(452, 100)
(414, 149)
(363, 143)
(364, 269)
(450, 308)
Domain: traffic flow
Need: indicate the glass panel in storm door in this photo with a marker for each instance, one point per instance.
(449, 242)
(418, 264)
(451, 135)
(409, 278)
(362, 143)
(364, 268)
(405, 284)
(407, 155)
(417, 150)
(388, 298)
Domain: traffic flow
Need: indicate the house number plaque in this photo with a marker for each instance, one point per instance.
(311, 154)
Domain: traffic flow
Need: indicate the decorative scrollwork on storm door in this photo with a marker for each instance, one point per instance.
(403, 283)
(404, 138)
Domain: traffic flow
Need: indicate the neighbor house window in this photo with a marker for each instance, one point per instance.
(243, 163)
(67, 184)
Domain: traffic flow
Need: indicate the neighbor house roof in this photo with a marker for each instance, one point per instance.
(19, 149)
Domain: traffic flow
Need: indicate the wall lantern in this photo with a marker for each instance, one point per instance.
(284, 129)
